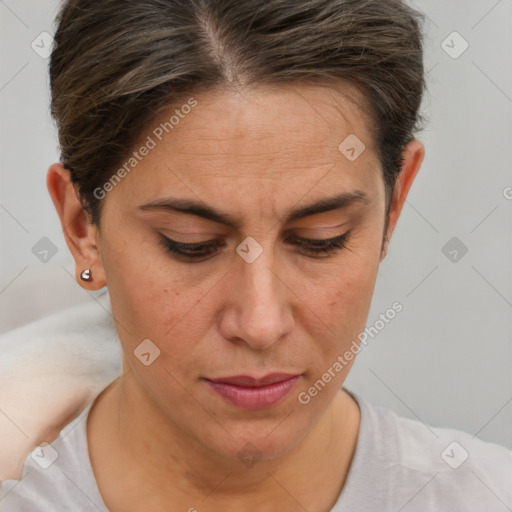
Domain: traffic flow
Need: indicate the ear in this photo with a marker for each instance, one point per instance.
(412, 157)
(81, 236)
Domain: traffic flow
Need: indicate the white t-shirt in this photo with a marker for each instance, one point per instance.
(399, 465)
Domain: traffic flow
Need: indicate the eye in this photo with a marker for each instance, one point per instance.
(320, 247)
(190, 252)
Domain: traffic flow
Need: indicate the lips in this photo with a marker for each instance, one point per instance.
(253, 382)
(246, 392)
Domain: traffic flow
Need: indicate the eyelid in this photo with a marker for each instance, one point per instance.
(189, 233)
(315, 234)
(210, 242)
(319, 228)
(209, 235)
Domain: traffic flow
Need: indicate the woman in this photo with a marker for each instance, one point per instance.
(233, 173)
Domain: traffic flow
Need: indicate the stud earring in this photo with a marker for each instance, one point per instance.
(86, 275)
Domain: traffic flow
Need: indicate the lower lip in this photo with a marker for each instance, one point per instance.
(253, 398)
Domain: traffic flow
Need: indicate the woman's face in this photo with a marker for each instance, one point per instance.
(255, 297)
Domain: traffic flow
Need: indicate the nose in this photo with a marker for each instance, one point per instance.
(260, 310)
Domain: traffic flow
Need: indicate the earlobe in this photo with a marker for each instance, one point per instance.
(412, 158)
(81, 236)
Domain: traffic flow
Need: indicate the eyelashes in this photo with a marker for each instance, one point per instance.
(199, 250)
(196, 252)
(320, 246)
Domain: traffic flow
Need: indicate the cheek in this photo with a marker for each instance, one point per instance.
(156, 299)
(354, 291)
(351, 299)
(147, 298)
(344, 299)
(343, 304)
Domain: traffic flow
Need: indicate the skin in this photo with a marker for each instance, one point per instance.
(254, 154)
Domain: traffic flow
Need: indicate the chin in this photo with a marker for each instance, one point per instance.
(260, 441)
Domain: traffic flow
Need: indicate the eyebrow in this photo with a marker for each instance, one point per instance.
(199, 209)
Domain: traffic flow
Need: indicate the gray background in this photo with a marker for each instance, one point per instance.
(446, 358)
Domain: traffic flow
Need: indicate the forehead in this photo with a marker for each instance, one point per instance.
(282, 139)
(312, 119)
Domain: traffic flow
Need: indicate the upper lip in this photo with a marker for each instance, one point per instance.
(254, 382)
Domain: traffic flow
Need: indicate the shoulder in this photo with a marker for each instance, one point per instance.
(56, 476)
(50, 370)
(435, 466)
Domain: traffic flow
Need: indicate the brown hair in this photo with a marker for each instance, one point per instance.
(117, 63)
